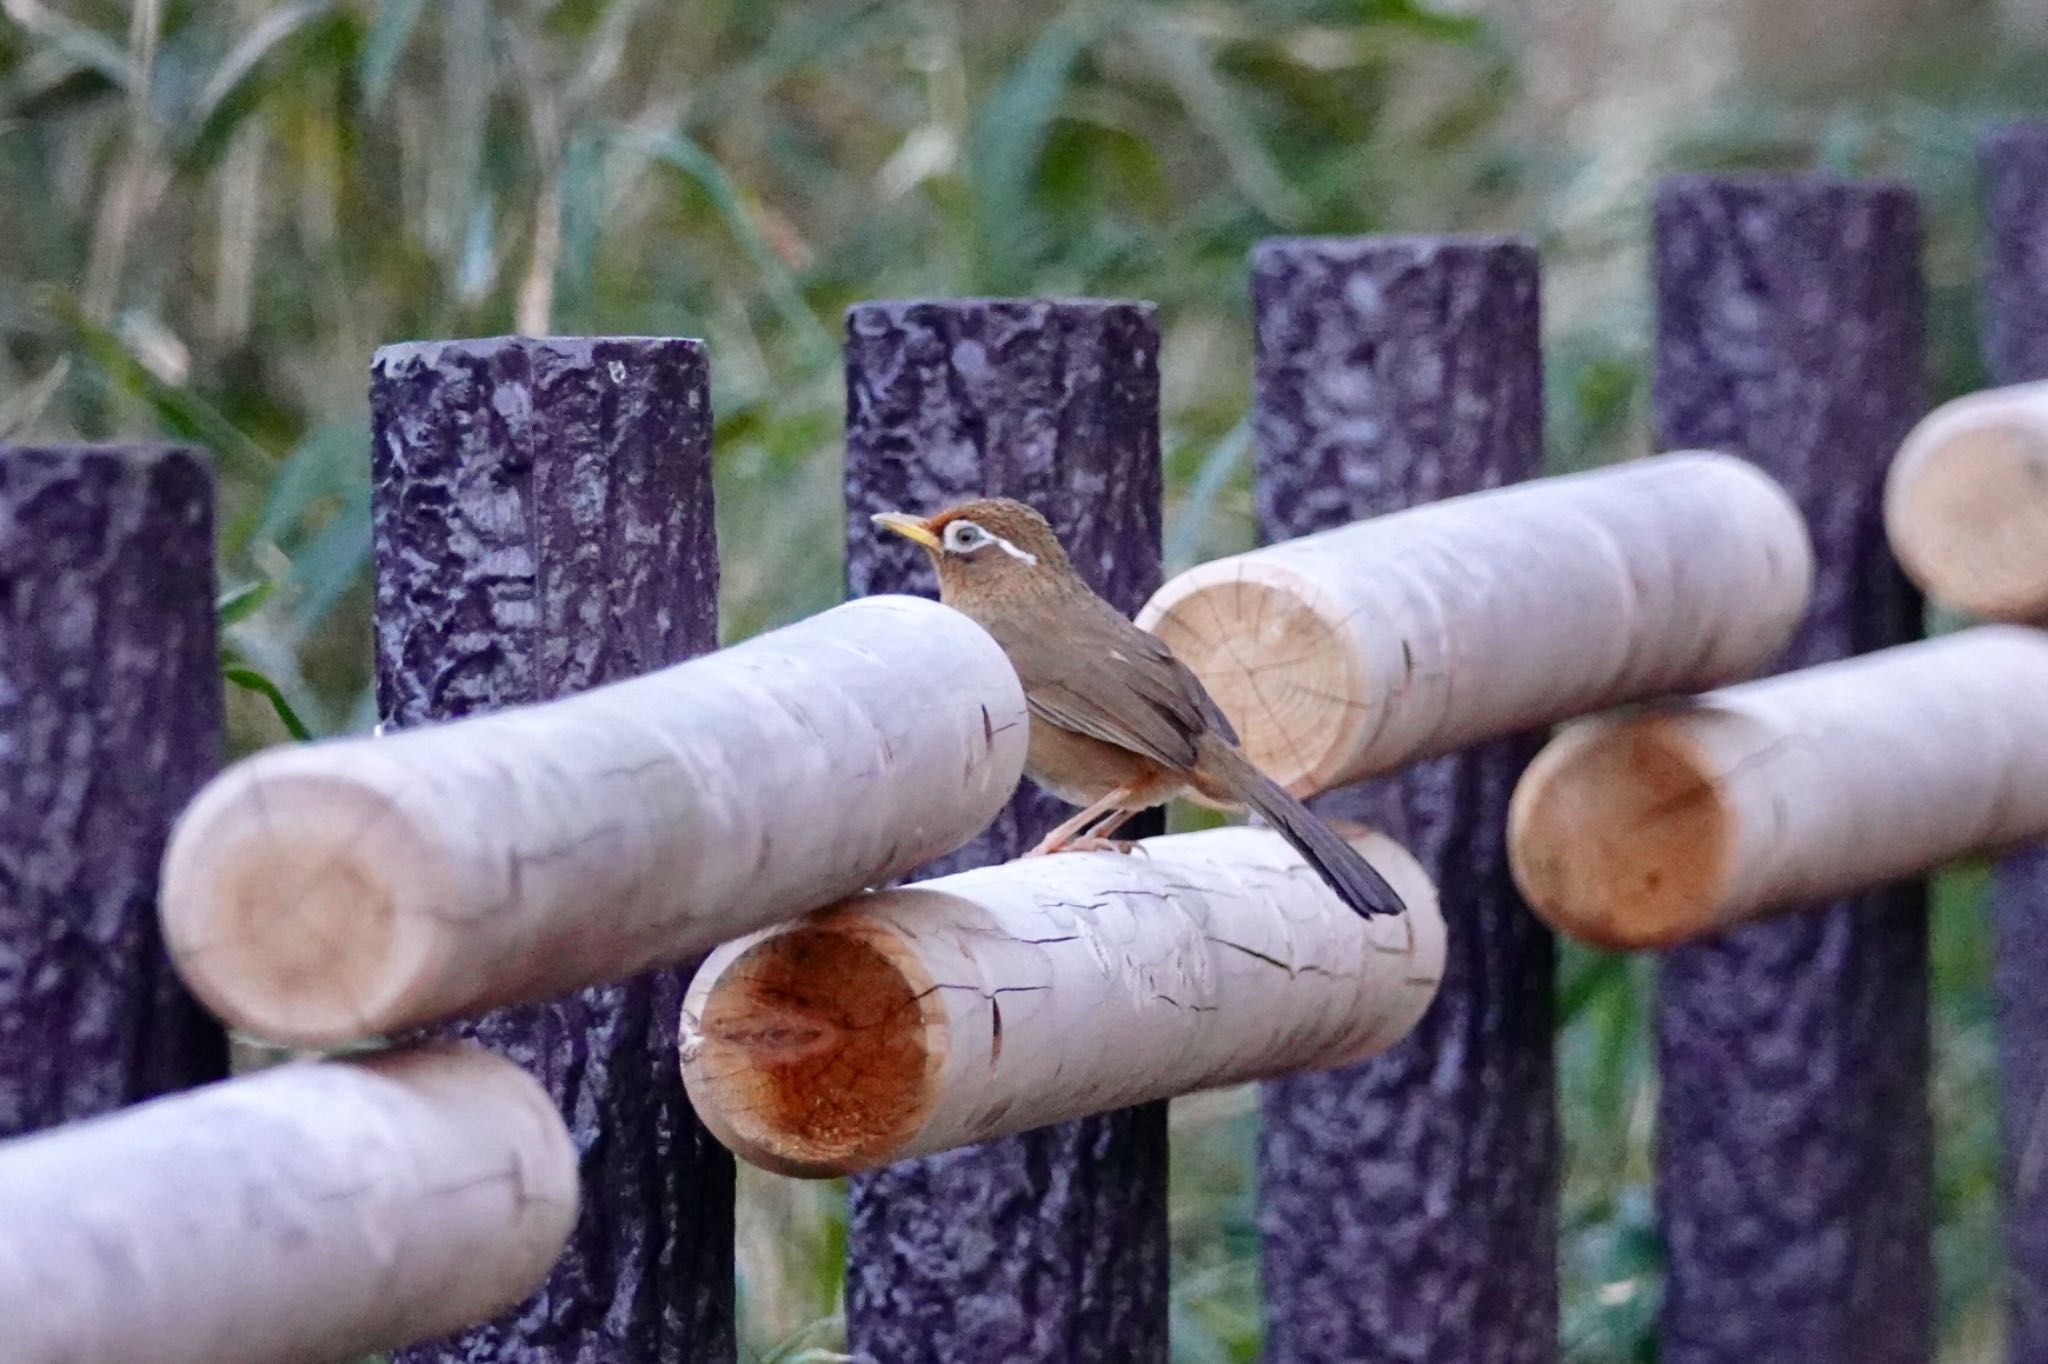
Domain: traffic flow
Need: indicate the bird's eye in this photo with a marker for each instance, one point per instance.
(963, 537)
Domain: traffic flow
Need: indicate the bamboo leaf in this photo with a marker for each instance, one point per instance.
(679, 152)
(1224, 460)
(232, 89)
(1420, 18)
(24, 407)
(390, 35)
(333, 562)
(248, 679)
(238, 604)
(1008, 140)
(179, 410)
(80, 46)
(332, 461)
(1214, 105)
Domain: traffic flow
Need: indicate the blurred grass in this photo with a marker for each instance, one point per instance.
(216, 211)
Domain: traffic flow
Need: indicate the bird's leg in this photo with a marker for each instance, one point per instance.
(1060, 838)
(1096, 837)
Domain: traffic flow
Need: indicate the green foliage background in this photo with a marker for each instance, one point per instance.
(215, 211)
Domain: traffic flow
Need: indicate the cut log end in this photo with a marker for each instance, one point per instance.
(1619, 835)
(1270, 650)
(300, 937)
(820, 1051)
(1967, 508)
(930, 1017)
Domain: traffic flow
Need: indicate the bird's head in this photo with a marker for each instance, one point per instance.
(988, 549)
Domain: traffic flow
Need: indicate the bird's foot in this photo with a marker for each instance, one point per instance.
(1090, 843)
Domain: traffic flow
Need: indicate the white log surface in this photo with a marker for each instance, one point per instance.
(308, 1214)
(1650, 827)
(323, 893)
(918, 1019)
(1350, 653)
(1966, 503)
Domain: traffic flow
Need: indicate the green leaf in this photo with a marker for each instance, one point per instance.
(231, 90)
(584, 211)
(1420, 18)
(1586, 976)
(335, 561)
(182, 412)
(1009, 137)
(1214, 105)
(1224, 459)
(838, 32)
(25, 406)
(331, 461)
(248, 679)
(677, 151)
(74, 43)
(240, 603)
(389, 36)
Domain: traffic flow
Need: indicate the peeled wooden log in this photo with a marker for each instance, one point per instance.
(1351, 652)
(996, 1000)
(1966, 503)
(1650, 828)
(310, 1213)
(336, 891)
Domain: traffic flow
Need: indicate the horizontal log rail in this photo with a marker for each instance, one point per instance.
(332, 892)
(991, 1001)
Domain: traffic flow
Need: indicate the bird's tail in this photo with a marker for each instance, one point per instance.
(1335, 860)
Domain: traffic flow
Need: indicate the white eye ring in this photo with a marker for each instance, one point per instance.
(964, 537)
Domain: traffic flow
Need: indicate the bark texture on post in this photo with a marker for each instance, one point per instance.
(1794, 1159)
(1408, 1204)
(2015, 161)
(110, 718)
(543, 525)
(2019, 912)
(1048, 1246)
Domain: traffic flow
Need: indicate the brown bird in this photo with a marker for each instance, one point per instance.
(1118, 724)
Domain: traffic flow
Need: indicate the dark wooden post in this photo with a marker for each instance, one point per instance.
(1050, 1246)
(110, 718)
(2015, 161)
(543, 525)
(1794, 1161)
(1409, 1203)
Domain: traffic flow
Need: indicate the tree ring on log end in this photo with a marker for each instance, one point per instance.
(1968, 514)
(1264, 640)
(1620, 834)
(818, 1050)
(305, 940)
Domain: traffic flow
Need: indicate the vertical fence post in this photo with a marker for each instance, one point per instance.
(1050, 1246)
(1794, 1162)
(1408, 1204)
(543, 525)
(2015, 162)
(110, 718)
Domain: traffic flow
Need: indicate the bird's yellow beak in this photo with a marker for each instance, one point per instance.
(909, 527)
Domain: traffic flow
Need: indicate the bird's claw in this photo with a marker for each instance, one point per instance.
(1090, 843)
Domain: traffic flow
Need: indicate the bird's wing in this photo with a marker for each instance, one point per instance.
(1102, 676)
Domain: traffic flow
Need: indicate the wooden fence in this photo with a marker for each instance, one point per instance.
(543, 517)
